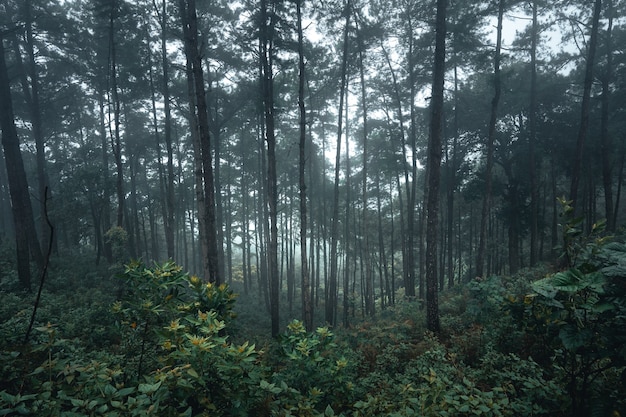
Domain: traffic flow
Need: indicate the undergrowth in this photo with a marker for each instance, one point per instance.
(158, 341)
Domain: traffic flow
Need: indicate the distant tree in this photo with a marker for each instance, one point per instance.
(307, 309)
(334, 233)
(480, 257)
(168, 220)
(585, 105)
(605, 139)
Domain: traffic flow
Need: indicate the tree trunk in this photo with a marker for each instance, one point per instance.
(434, 166)
(480, 259)
(116, 143)
(532, 139)
(585, 106)
(267, 77)
(190, 24)
(411, 197)
(35, 110)
(370, 304)
(334, 233)
(307, 310)
(169, 221)
(16, 176)
(605, 139)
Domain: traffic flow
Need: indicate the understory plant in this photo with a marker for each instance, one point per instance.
(581, 313)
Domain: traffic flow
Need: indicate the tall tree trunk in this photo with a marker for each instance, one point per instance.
(191, 23)
(480, 259)
(585, 106)
(106, 180)
(116, 142)
(452, 177)
(267, 76)
(532, 139)
(334, 232)
(411, 197)
(370, 305)
(434, 169)
(169, 185)
(16, 175)
(605, 139)
(35, 110)
(307, 310)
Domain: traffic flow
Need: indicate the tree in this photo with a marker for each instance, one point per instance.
(585, 105)
(169, 183)
(25, 235)
(605, 139)
(434, 168)
(307, 310)
(266, 37)
(190, 28)
(480, 259)
(334, 234)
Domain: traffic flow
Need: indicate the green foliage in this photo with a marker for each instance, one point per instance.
(314, 372)
(169, 352)
(581, 312)
(117, 237)
(437, 383)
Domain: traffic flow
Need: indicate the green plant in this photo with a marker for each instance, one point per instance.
(315, 373)
(582, 312)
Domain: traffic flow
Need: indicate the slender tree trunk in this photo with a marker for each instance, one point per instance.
(605, 139)
(409, 273)
(167, 130)
(334, 233)
(267, 75)
(480, 260)
(35, 109)
(532, 139)
(307, 311)
(106, 180)
(116, 142)
(434, 168)
(585, 106)
(370, 305)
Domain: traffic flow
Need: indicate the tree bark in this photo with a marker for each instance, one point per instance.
(434, 169)
(211, 268)
(585, 105)
(480, 258)
(16, 175)
(116, 143)
(332, 281)
(370, 305)
(307, 311)
(605, 139)
(35, 110)
(169, 184)
(267, 77)
(532, 139)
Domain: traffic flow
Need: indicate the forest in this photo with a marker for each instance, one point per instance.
(312, 208)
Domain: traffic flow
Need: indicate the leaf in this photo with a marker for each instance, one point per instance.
(602, 307)
(572, 337)
(571, 280)
(149, 388)
(125, 391)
